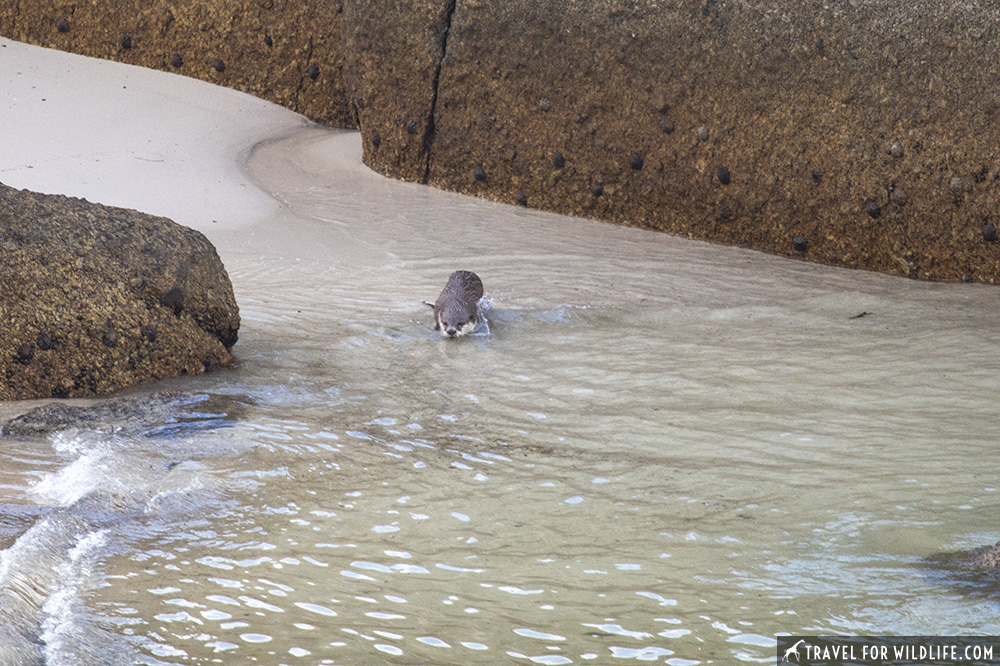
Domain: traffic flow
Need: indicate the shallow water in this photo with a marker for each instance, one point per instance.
(664, 451)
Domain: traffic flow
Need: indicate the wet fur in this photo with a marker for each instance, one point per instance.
(456, 312)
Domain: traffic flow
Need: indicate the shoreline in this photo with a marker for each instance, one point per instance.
(310, 235)
(854, 136)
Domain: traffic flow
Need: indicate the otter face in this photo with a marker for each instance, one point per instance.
(456, 326)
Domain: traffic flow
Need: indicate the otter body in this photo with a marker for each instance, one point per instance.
(456, 310)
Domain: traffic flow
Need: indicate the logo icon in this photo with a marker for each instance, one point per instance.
(792, 651)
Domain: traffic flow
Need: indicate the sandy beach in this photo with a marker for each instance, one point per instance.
(130, 137)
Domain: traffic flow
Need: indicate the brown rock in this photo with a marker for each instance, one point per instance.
(96, 298)
(985, 559)
(812, 128)
(158, 414)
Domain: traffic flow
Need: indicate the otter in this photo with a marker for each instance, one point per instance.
(456, 310)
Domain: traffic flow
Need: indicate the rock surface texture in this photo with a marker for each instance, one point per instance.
(986, 559)
(162, 414)
(859, 134)
(95, 298)
(393, 54)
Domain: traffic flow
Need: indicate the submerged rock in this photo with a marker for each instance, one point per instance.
(82, 284)
(162, 413)
(104, 417)
(985, 559)
(974, 572)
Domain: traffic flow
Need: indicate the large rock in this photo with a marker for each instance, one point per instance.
(94, 298)
(859, 134)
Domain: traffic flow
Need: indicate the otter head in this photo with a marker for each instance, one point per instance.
(456, 322)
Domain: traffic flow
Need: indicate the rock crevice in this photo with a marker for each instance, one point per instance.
(449, 11)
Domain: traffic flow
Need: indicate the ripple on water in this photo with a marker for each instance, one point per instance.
(656, 597)
(316, 608)
(540, 635)
(618, 630)
(216, 615)
(523, 557)
(640, 654)
(546, 659)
